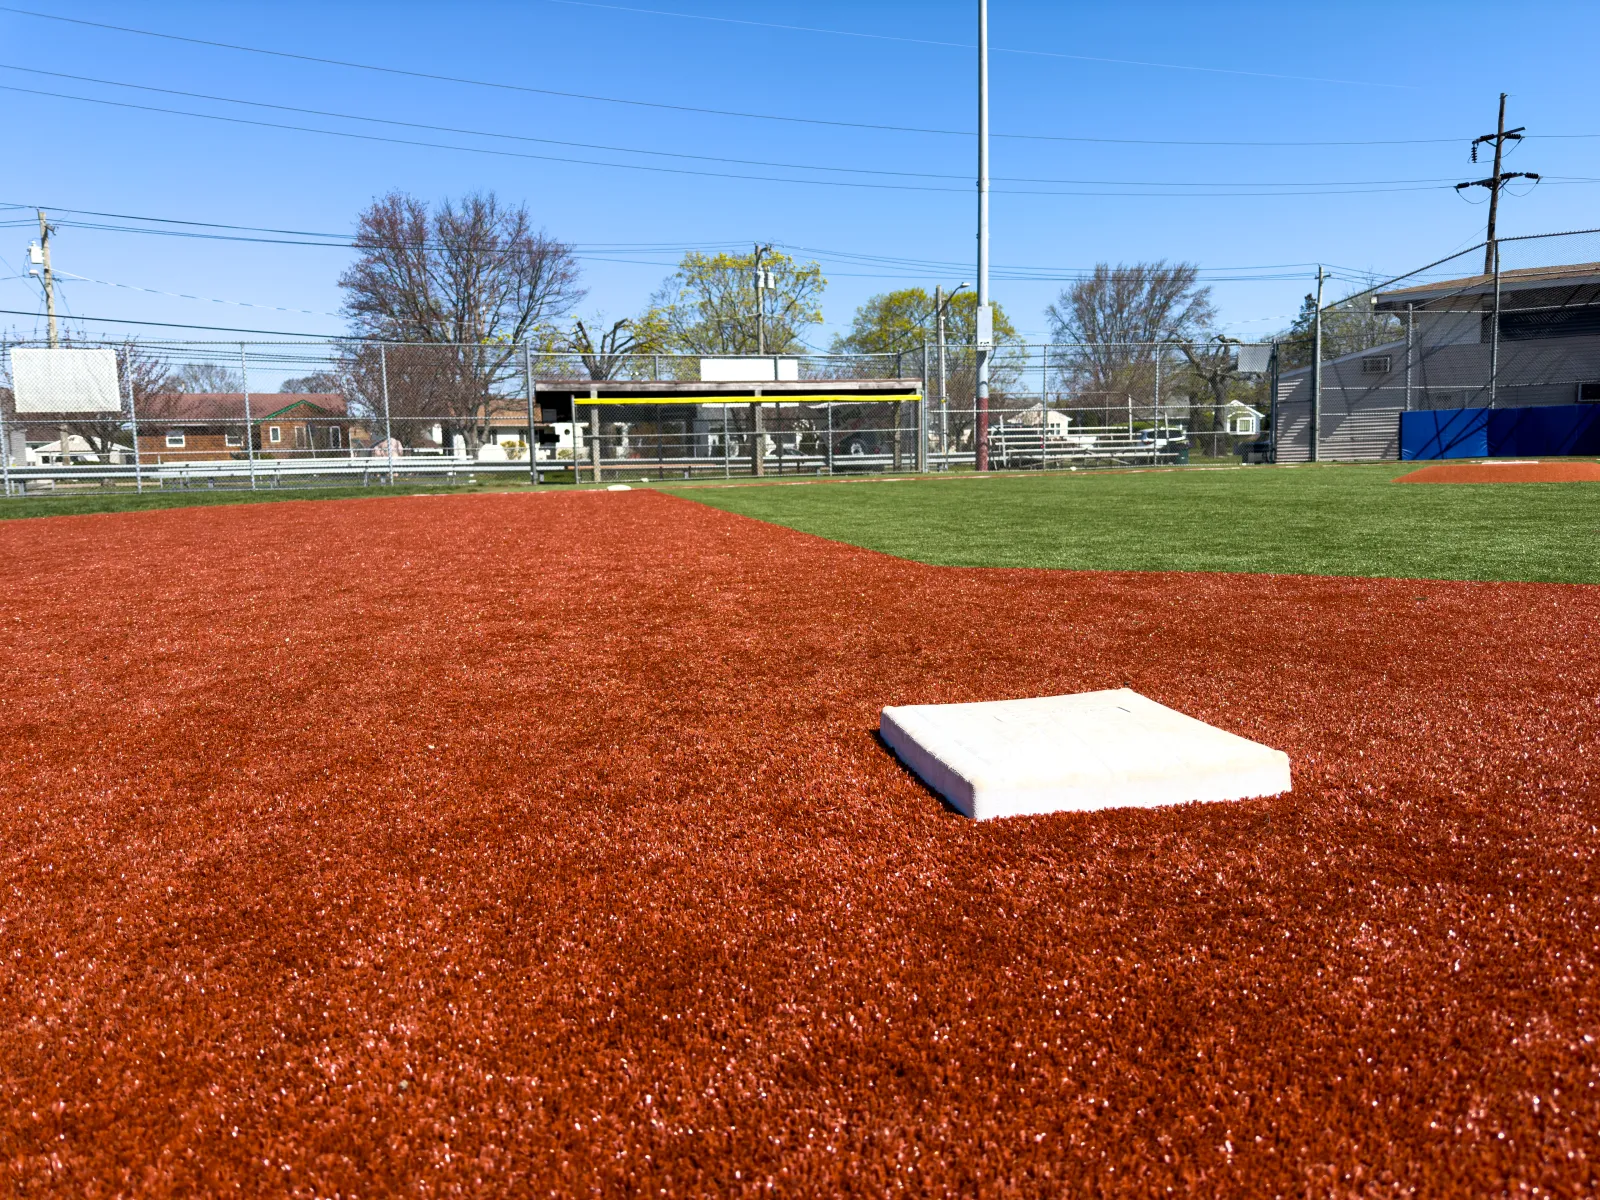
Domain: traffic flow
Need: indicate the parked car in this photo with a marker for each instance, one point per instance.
(1162, 440)
(1255, 452)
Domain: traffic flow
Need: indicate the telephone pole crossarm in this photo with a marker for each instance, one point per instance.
(1504, 177)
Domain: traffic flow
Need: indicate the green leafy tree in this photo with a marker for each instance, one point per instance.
(896, 322)
(1348, 327)
(708, 306)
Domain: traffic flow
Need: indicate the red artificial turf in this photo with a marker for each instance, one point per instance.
(1508, 471)
(541, 844)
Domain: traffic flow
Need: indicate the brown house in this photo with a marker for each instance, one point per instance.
(199, 426)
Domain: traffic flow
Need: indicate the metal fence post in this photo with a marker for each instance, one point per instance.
(1494, 332)
(757, 440)
(133, 421)
(1411, 344)
(922, 414)
(1316, 372)
(249, 426)
(388, 429)
(533, 389)
(727, 444)
(1272, 419)
(5, 451)
(1160, 353)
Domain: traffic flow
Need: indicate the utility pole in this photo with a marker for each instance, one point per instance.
(45, 230)
(1499, 179)
(1316, 367)
(985, 322)
(758, 439)
(761, 315)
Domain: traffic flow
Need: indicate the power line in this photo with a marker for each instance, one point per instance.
(915, 267)
(899, 187)
(321, 337)
(133, 287)
(885, 37)
(317, 112)
(716, 112)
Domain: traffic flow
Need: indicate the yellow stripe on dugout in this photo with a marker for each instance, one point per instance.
(785, 398)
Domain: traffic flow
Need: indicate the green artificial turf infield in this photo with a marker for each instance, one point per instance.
(1308, 520)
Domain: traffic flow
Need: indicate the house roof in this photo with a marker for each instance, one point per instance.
(204, 407)
(1523, 277)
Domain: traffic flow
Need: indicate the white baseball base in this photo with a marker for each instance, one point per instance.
(1113, 749)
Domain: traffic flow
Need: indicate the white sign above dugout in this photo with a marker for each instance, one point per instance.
(60, 381)
(1255, 358)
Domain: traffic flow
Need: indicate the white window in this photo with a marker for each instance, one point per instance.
(175, 439)
(333, 437)
(233, 439)
(274, 433)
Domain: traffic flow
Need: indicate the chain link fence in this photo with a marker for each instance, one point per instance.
(281, 414)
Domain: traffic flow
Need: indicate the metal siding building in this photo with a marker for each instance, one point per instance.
(1548, 353)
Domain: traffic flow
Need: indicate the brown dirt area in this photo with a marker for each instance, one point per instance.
(1505, 472)
(500, 845)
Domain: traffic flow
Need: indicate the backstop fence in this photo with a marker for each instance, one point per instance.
(278, 414)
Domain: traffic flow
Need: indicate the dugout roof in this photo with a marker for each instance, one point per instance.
(561, 392)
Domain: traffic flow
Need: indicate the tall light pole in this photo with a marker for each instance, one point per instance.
(985, 329)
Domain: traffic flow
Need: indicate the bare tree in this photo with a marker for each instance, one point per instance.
(206, 377)
(605, 356)
(1111, 321)
(473, 277)
(1212, 367)
(318, 382)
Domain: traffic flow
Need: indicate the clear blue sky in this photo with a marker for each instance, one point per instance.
(1187, 74)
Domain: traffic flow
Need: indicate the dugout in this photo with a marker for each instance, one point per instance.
(681, 427)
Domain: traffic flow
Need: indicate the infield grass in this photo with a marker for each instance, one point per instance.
(1307, 520)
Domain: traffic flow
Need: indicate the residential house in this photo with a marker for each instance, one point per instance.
(1240, 419)
(198, 426)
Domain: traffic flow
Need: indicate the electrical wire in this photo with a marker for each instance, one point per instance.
(316, 112)
(885, 37)
(718, 112)
(133, 287)
(321, 337)
(899, 187)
